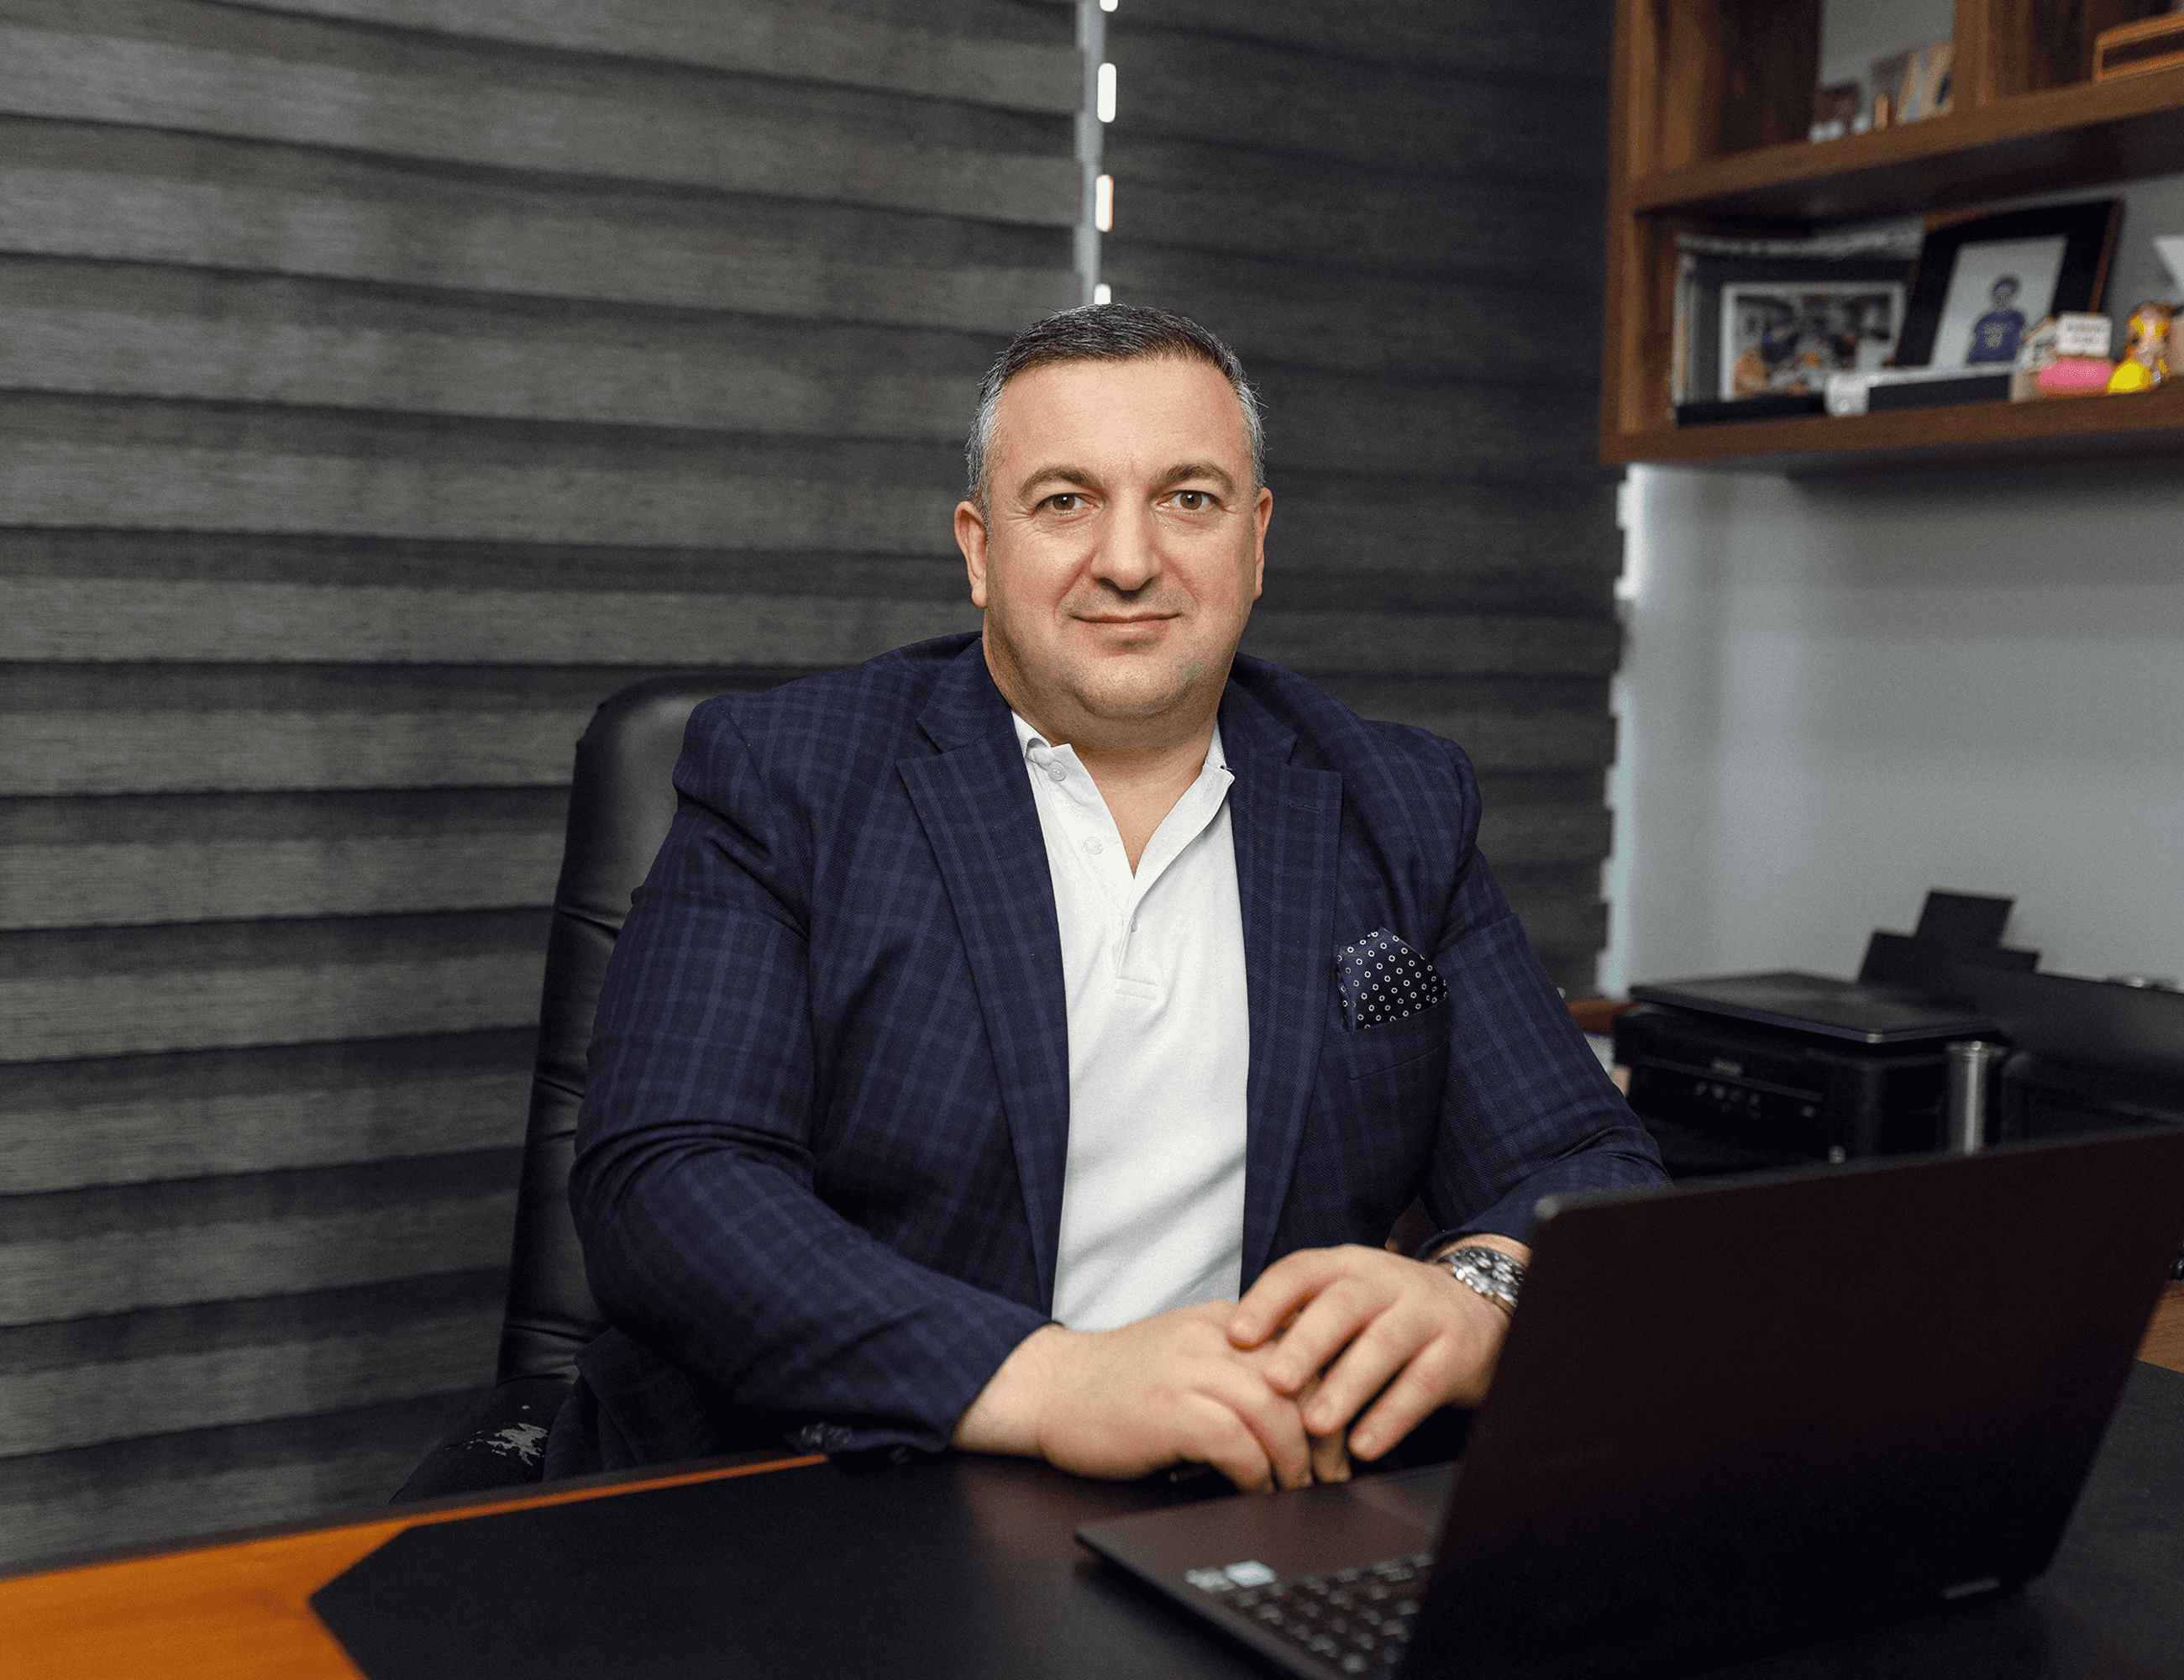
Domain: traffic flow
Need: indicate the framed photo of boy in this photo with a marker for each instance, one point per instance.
(1983, 279)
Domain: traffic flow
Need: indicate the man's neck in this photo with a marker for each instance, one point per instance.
(1141, 784)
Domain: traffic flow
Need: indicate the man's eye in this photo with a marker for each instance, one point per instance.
(1194, 501)
(1065, 502)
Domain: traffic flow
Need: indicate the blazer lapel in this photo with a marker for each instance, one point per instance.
(1287, 824)
(974, 800)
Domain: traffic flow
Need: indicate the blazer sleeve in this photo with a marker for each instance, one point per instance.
(693, 1185)
(1528, 1111)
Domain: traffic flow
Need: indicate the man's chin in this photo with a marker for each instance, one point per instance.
(1141, 697)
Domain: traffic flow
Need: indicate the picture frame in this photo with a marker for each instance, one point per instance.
(1789, 336)
(1700, 370)
(1976, 270)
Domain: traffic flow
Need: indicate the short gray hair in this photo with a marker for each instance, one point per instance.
(1106, 332)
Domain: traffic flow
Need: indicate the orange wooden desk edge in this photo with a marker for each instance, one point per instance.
(232, 1611)
(243, 1609)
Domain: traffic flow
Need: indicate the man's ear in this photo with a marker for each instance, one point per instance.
(970, 538)
(1262, 510)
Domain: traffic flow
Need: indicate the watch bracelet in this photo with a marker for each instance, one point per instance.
(1504, 1274)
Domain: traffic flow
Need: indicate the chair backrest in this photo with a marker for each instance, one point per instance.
(621, 803)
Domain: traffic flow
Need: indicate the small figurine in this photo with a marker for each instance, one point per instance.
(2063, 356)
(2145, 361)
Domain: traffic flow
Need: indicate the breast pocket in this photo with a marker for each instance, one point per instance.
(1375, 1052)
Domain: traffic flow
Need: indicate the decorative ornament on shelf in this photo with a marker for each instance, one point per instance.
(2065, 355)
(2145, 361)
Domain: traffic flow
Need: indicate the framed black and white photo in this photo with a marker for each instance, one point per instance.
(1728, 305)
(1779, 337)
(1983, 282)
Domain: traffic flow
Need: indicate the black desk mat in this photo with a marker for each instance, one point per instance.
(966, 1568)
(960, 1567)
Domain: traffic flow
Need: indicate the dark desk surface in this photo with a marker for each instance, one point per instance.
(967, 1567)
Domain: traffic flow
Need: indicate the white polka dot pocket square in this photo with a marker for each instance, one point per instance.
(1384, 980)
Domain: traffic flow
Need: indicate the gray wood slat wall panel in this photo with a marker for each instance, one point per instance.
(382, 383)
(420, 1352)
(95, 329)
(600, 120)
(1532, 45)
(196, 1482)
(85, 862)
(1384, 113)
(973, 62)
(1208, 197)
(118, 991)
(124, 1247)
(1399, 230)
(215, 1113)
(120, 194)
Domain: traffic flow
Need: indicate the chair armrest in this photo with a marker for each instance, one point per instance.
(502, 1443)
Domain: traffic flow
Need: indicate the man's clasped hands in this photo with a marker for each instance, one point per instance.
(1332, 1354)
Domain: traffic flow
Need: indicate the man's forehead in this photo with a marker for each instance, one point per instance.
(1159, 404)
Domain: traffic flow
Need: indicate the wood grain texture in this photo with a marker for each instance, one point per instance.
(118, 194)
(126, 1248)
(2163, 1344)
(604, 121)
(1007, 57)
(141, 1119)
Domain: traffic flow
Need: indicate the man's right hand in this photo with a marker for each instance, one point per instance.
(1169, 1389)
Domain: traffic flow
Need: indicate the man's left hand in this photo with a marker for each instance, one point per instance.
(1357, 1317)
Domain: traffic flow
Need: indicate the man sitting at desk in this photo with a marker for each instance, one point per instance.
(1000, 1011)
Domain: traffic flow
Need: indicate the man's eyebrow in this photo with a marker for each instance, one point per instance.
(1082, 477)
(1183, 472)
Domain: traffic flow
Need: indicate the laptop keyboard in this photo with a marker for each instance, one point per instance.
(1357, 1620)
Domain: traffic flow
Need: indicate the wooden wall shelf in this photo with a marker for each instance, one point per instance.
(2144, 422)
(1711, 100)
(2115, 131)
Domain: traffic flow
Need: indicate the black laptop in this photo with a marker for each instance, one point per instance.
(1730, 1419)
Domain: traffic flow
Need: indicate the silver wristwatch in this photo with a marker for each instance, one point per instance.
(1493, 1274)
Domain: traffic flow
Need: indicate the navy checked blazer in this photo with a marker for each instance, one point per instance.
(818, 1172)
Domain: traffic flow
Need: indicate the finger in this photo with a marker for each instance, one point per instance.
(1282, 1288)
(1330, 1458)
(1383, 1348)
(1273, 1418)
(1214, 1434)
(1334, 1318)
(1424, 1385)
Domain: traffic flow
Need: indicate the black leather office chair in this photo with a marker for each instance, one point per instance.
(621, 803)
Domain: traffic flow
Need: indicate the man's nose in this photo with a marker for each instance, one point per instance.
(1128, 556)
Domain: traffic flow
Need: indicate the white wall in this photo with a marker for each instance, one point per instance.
(1840, 691)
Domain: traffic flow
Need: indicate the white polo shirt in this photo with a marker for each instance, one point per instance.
(1160, 1046)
